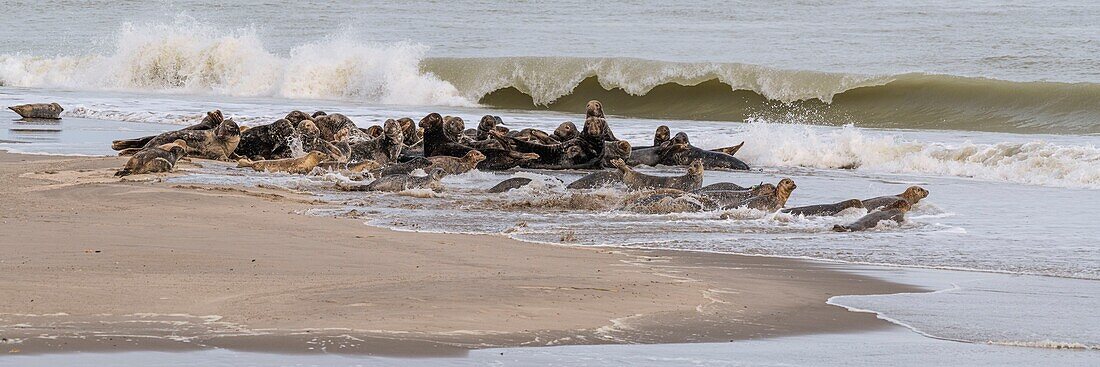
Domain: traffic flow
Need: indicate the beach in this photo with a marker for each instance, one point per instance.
(959, 142)
(99, 264)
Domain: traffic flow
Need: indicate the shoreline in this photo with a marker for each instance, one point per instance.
(134, 261)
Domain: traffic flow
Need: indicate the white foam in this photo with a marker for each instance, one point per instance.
(1034, 162)
(192, 57)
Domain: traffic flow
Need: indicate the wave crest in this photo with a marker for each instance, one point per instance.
(191, 57)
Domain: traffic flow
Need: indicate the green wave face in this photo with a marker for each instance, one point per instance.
(736, 92)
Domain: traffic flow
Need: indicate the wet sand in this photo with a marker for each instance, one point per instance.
(91, 264)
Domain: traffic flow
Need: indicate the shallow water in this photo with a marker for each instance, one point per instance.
(991, 106)
(1009, 210)
(985, 66)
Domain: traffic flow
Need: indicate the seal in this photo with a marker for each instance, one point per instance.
(614, 150)
(824, 209)
(711, 160)
(635, 180)
(455, 166)
(367, 165)
(50, 111)
(409, 131)
(210, 121)
(597, 179)
(437, 143)
(895, 211)
(395, 183)
(296, 117)
(666, 201)
(661, 135)
(300, 165)
(913, 195)
(311, 140)
(593, 111)
(156, 159)
(405, 167)
(653, 156)
(566, 131)
(731, 198)
(509, 184)
(329, 125)
(271, 141)
(773, 202)
(218, 143)
(722, 186)
(383, 149)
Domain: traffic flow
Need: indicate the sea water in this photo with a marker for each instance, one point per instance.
(991, 107)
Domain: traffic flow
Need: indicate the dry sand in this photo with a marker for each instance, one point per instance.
(92, 263)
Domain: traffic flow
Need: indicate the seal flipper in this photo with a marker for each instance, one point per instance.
(729, 150)
(131, 143)
(245, 162)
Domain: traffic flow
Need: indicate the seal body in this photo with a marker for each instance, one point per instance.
(38, 110)
(732, 198)
(218, 143)
(455, 166)
(597, 179)
(300, 165)
(156, 159)
(395, 183)
(666, 201)
(635, 180)
(722, 186)
(913, 195)
(773, 202)
(384, 148)
(271, 141)
(825, 209)
(894, 211)
(509, 184)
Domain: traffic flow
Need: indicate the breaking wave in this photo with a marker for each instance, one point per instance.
(1033, 162)
(187, 56)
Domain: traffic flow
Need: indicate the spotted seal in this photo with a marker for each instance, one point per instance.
(894, 211)
(635, 180)
(271, 141)
(824, 209)
(50, 111)
(299, 165)
(384, 149)
(161, 158)
(913, 195)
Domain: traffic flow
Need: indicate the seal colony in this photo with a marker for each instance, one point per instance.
(401, 154)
